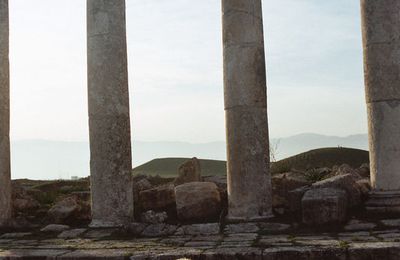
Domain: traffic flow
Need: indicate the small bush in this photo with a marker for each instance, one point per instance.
(314, 175)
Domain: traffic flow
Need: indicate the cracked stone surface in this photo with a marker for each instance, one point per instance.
(205, 242)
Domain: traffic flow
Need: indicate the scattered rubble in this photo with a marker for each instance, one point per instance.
(190, 171)
(199, 201)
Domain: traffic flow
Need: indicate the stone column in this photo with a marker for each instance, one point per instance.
(249, 181)
(109, 123)
(5, 172)
(381, 41)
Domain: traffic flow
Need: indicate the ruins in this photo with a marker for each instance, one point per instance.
(249, 181)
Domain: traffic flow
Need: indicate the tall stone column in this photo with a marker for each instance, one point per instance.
(381, 40)
(109, 123)
(249, 181)
(5, 172)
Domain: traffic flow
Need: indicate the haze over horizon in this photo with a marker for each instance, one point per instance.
(314, 69)
(314, 74)
(40, 159)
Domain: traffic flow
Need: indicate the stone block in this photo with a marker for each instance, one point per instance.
(345, 182)
(324, 206)
(295, 197)
(54, 228)
(190, 171)
(159, 198)
(198, 201)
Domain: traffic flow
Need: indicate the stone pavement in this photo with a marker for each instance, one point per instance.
(270, 241)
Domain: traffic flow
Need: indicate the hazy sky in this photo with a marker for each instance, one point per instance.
(314, 69)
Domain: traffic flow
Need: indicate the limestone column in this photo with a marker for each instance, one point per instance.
(5, 175)
(249, 181)
(109, 123)
(381, 41)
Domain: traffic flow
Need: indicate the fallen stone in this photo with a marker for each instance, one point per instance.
(345, 182)
(279, 211)
(345, 169)
(324, 206)
(22, 223)
(279, 202)
(190, 171)
(73, 233)
(25, 204)
(364, 186)
(136, 228)
(82, 195)
(198, 201)
(285, 182)
(54, 228)
(64, 209)
(295, 197)
(219, 180)
(143, 184)
(152, 217)
(140, 185)
(159, 198)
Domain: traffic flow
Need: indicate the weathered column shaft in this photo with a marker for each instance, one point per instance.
(249, 181)
(5, 172)
(381, 40)
(109, 123)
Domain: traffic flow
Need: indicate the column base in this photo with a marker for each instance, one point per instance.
(104, 224)
(383, 202)
(232, 219)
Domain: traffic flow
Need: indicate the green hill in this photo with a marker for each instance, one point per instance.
(168, 167)
(324, 157)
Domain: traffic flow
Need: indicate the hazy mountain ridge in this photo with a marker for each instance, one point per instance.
(41, 159)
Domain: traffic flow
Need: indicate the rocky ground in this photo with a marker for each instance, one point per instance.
(356, 240)
(319, 213)
(298, 197)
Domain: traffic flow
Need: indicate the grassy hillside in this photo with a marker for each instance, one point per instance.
(168, 167)
(325, 157)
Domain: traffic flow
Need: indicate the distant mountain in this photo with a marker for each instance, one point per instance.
(41, 159)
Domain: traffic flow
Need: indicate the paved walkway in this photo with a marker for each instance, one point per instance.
(243, 241)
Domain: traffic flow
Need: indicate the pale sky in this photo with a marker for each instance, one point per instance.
(314, 69)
